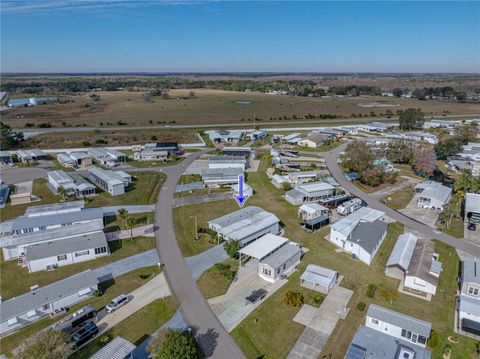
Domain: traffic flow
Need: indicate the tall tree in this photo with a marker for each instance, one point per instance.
(466, 132)
(130, 224)
(8, 137)
(447, 148)
(45, 344)
(63, 193)
(411, 119)
(424, 159)
(173, 344)
(466, 183)
(122, 215)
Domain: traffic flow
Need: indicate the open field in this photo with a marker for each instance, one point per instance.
(10, 286)
(134, 328)
(120, 285)
(254, 334)
(209, 106)
(125, 137)
(400, 199)
(143, 190)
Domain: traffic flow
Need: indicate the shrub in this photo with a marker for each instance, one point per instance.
(232, 247)
(361, 306)
(86, 144)
(434, 339)
(293, 298)
(97, 293)
(372, 288)
(144, 275)
(104, 339)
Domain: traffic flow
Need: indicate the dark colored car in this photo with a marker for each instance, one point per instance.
(472, 227)
(256, 295)
(83, 335)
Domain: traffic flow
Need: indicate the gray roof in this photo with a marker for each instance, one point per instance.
(209, 174)
(50, 234)
(79, 155)
(66, 245)
(471, 270)
(469, 304)
(319, 275)
(472, 202)
(50, 293)
(48, 208)
(118, 348)
(369, 343)
(401, 320)
(421, 262)
(86, 214)
(368, 235)
(107, 176)
(244, 222)
(293, 193)
(279, 257)
(403, 251)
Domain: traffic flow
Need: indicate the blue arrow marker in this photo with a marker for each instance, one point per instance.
(240, 198)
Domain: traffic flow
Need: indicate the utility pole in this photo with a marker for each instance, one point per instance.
(196, 228)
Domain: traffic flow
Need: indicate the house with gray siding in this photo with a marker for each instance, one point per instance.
(27, 308)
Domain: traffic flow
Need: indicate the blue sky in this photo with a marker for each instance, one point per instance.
(190, 36)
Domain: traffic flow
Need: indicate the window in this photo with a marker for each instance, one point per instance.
(267, 271)
(278, 271)
(473, 290)
(62, 257)
(374, 321)
(46, 307)
(82, 253)
(284, 266)
(100, 250)
(422, 339)
(406, 334)
(414, 338)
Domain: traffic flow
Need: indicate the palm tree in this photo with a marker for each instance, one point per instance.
(130, 224)
(122, 215)
(63, 193)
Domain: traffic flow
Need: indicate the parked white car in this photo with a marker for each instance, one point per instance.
(116, 303)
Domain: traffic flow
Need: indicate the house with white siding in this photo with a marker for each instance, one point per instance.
(390, 334)
(310, 192)
(468, 300)
(360, 233)
(25, 309)
(113, 182)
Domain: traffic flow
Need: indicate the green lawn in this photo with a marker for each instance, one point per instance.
(201, 191)
(185, 224)
(112, 223)
(11, 286)
(39, 189)
(254, 334)
(143, 190)
(211, 284)
(400, 199)
(120, 285)
(190, 178)
(134, 328)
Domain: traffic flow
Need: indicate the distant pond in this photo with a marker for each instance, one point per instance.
(244, 102)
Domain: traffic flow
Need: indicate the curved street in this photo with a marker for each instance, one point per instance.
(211, 335)
(458, 243)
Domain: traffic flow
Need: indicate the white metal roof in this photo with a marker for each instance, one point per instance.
(314, 187)
(318, 275)
(403, 251)
(107, 176)
(440, 193)
(472, 202)
(312, 208)
(263, 246)
(118, 348)
(364, 214)
(291, 136)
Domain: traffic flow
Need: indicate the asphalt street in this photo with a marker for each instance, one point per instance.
(211, 335)
(458, 243)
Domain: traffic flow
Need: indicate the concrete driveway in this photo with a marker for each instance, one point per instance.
(426, 216)
(231, 308)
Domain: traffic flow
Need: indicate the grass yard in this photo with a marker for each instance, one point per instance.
(201, 191)
(212, 284)
(112, 223)
(135, 328)
(456, 227)
(400, 199)
(120, 285)
(11, 286)
(254, 334)
(143, 190)
(185, 224)
(39, 189)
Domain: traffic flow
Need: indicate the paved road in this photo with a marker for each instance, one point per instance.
(221, 125)
(211, 335)
(458, 243)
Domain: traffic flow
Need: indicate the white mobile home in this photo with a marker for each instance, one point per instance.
(113, 182)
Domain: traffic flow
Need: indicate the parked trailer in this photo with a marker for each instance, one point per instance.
(349, 207)
(74, 321)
